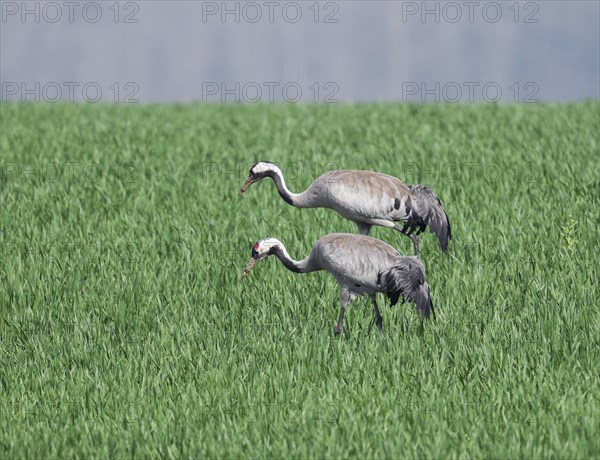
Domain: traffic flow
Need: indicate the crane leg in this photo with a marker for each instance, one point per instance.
(378, 318)
(344, 301)
(407, 231)
(415, 240)
(363, 229)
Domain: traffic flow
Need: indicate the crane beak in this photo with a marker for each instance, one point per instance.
(251, 263)
(247, 184)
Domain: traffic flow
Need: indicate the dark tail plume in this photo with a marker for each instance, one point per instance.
(429, 209)
(423, 301)
(406, 279)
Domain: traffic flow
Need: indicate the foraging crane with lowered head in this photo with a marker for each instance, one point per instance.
(362, 266)
(367, 198)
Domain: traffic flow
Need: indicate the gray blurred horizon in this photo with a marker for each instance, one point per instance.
(346, 51)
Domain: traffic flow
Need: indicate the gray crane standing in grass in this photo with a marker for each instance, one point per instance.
(367, 198)
(362, 266)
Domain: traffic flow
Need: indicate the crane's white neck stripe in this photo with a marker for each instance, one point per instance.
(263, 167)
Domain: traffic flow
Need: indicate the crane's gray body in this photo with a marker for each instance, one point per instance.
(361, 196)
(355, 261)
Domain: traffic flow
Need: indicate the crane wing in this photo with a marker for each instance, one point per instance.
(354, 258)
(363, 194)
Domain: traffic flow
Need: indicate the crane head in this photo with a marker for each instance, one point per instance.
(261, 249)
(259, 171)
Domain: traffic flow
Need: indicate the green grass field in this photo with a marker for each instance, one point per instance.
(126, 330)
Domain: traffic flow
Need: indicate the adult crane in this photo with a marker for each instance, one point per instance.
(362, 266)
(367, 198)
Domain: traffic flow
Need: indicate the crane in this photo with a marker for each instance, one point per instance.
(367, 198)
(362, 266)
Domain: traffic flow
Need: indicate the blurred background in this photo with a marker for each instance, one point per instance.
(325, 52)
